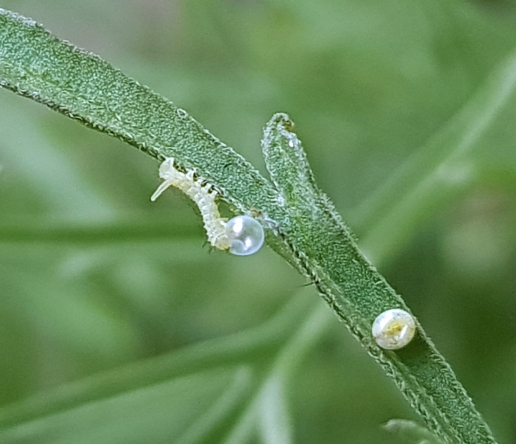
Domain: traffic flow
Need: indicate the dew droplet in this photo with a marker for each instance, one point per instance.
(245, 235)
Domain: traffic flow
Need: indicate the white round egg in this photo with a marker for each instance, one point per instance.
(394, 329)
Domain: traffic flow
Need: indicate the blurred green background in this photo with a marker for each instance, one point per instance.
(94, 278)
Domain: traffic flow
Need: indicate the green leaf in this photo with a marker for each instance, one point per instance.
(357, 293)
(287, 163)
(83, 87)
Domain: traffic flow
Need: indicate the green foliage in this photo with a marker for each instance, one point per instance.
(93, 279)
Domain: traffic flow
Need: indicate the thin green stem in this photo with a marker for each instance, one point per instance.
(438, 172)
(234, 349)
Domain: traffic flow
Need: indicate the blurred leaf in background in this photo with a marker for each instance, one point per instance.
(116, 319)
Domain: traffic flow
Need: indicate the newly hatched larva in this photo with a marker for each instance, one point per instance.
(202, 195)
(394, 329)
(242, 235)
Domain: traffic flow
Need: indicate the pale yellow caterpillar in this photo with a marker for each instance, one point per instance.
(202, 195)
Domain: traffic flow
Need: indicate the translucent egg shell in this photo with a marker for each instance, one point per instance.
(394, 329)
(245, 235)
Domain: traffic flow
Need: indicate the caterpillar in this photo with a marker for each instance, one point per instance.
(203, 196)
